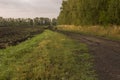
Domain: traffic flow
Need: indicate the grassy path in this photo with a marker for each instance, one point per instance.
(48, 56)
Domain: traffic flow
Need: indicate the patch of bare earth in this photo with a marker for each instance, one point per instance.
(106, 55)
(10, 36)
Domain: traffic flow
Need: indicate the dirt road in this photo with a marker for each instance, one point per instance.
(106, 54)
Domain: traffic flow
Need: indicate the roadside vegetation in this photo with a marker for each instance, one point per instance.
(93, 17)
(48, 56)
(106, 32)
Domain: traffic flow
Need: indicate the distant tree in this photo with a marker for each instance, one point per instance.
(24, 22)
(54, 22)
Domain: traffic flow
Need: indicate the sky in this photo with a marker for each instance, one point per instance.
(29, 8)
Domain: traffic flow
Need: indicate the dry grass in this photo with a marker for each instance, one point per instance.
(112, 32)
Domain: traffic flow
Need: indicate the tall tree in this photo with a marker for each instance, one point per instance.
(90, 12)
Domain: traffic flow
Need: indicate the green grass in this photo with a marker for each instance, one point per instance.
(48, 56)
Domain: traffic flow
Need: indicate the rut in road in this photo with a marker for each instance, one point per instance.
(106, 55)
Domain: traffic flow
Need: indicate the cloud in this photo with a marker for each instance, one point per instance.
(30, 8)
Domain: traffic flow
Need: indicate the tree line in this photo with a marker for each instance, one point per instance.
(90, 12)
(16, 22)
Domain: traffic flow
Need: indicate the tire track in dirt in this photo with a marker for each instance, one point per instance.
(106, 55)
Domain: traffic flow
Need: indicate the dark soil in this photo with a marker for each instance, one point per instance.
(106, 55)
(10, 36)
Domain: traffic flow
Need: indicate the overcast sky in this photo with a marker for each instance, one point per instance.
(30, 8)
